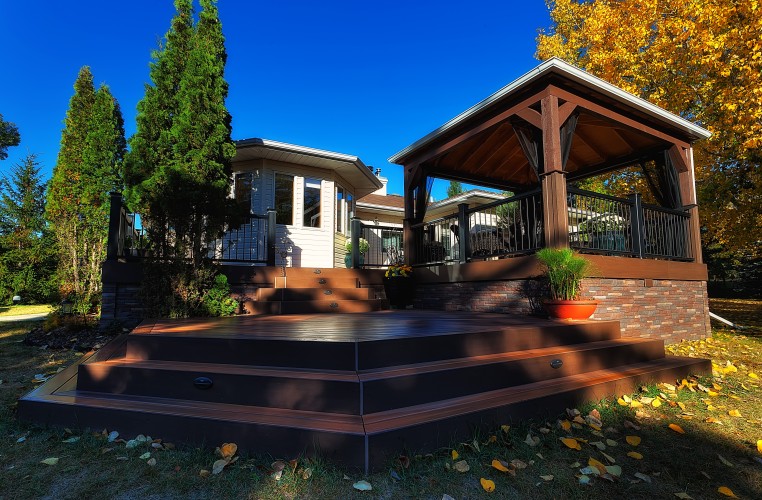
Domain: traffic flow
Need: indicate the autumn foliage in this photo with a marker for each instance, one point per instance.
(701, 60)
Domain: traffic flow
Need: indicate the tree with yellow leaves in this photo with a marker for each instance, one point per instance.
(700, 59)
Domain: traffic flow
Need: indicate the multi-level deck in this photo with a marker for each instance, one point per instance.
(353, 387)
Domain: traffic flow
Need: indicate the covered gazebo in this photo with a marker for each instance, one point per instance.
(534, 138)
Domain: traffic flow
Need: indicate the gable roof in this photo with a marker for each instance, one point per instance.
(558, 67)
(349, 167)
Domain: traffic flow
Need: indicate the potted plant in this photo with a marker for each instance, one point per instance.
(565, 269)
(364, 248)
(399, 286)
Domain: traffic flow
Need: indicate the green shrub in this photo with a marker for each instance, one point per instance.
(217, 300)
(180, 290)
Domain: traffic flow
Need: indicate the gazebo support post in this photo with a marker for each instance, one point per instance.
(553, 178)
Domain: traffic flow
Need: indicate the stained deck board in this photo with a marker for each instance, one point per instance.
(360, 327)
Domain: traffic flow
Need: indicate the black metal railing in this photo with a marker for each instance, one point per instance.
(512, 226)
(667, 233)
(436, 241)
(250, 242)
(503, 228)
(385, 245)
(600, 223)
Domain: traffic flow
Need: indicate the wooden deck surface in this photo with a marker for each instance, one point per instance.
(360, 327)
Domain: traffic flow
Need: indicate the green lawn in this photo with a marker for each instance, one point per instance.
(720, 416)
(24, 309)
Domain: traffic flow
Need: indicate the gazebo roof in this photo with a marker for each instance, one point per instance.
(614, 129)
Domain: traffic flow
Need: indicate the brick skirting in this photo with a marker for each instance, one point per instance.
(672, 310)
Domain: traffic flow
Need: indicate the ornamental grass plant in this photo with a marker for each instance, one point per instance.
(565, 270)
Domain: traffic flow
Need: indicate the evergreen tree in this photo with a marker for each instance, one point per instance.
(27, 255)
(152, 148)
(454, 189)
(9, 136)
(178, 170)
(88, 168)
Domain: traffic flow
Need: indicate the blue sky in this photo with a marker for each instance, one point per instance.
(362, 78)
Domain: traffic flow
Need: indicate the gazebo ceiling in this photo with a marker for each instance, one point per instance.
(614, 129)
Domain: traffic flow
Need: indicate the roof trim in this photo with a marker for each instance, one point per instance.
(556, 65)
(304, 150)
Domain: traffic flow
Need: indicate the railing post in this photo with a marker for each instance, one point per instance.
(271, 213)
(463, 232)
(637, 224)
(114, 224)
(355, 236)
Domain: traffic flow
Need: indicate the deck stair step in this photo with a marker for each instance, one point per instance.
(317, 291)
(356, 388)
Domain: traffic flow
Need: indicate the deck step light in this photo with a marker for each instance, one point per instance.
(556, 363)
(203, 383)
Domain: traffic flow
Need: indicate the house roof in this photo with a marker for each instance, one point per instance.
(349, 167)
(396, 203)
(571, 74)
(384, 202)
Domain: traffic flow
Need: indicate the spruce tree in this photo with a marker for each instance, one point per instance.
(88, 168)
(27, 256)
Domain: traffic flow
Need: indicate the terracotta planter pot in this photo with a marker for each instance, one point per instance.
(570, 309)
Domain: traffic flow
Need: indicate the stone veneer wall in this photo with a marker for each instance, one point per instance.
(672, 310)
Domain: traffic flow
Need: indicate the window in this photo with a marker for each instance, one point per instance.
(341, 207)
(244, 187)
(311, 202)
(284, 199)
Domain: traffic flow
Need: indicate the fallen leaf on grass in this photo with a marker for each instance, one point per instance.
(489, 486)
(549, 477)
(759, 445)
(724, 490)
(724, 460)
(72, 439)
(584, 479)
(676, 428)
(532, 440)
(611, 442)
(630, 425)
(565, 425)
(656, 403)
(712, 420)
(151, 462)
(609, 458)
(643, 477)
(505, 428)
(734, 413)
(614, 470)
(598, 445)
(307, 473)
(362, 486)
(633, 440)
(502, 466)
(204, 473)
(50, 461)
(598, 465)
(227, 450)
(636, 404)
(753, 375)
(462, 466)
(571, 443)
(518, 464)
(219, 466)
(145, 456)
(454, 454)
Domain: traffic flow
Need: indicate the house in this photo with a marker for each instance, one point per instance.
(312, 192)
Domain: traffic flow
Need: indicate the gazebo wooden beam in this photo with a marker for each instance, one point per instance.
(553, 178)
